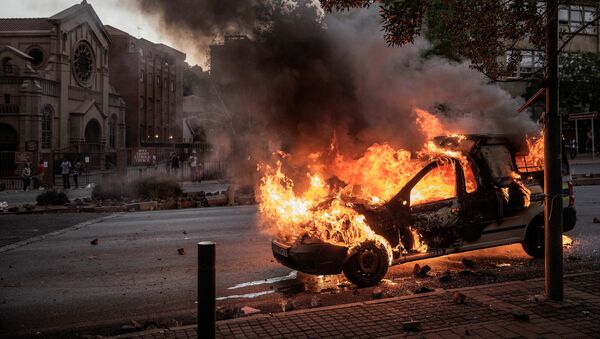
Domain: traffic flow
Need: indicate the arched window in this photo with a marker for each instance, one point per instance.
(112, 131)
(47, 127)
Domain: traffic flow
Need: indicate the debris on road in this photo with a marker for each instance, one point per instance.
(500, 265)
(424, 289)
(459, 298)
(227, 312)
(520, 316)
(596, 220)
(181, 251)
(468, 263)
(287, 305)
(94, 242)
(421, 270)
(247, 310)
(411, 326)
(446, 277)
(377, 293)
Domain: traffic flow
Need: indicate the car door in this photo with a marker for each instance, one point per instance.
(435, 206)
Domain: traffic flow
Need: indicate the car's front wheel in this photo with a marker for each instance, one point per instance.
(367, 265)
(534, 239)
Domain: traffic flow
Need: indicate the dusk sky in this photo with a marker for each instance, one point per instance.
(118, 13)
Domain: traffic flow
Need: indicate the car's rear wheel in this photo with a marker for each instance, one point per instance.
(367, 265)
(534, 239)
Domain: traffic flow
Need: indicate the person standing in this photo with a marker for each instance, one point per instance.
(76, 172)
(175, 164)
(65, 169)
(193, 162)
(26, 175)
(41, 169)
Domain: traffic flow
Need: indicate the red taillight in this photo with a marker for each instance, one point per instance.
(571, 194)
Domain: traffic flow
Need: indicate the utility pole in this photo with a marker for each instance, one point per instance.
(553, 265)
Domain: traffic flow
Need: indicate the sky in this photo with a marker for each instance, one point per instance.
(117, 13)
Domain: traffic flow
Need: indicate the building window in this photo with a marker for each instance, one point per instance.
(83, 62)
(158, 80)
(47, 127)
(142, 102)
(37, 55)
(172, 86)
(7, 99)
(142, 132)
(141, 52)
(531, 61)
(112, 131)
(150, 104)
(149, 133)
(573, 17)
(7, 66)
(141, 75)
(132, 47)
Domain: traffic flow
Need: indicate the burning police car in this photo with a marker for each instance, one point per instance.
(493, 196)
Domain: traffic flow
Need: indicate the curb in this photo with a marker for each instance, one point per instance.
(55, 233)
(436, 292)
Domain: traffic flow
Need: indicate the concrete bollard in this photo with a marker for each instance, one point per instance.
(206, 290)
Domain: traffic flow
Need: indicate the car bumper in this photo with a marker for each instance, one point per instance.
(569, 218)
(312, 258)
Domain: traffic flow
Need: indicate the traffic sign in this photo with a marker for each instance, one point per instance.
(582, 115)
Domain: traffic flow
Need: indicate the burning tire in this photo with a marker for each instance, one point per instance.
(367, 265)
(534, 239)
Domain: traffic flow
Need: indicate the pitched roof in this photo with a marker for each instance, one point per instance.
(15, 51)
(25, 24)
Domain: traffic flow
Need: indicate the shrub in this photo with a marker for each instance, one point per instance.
(111, 190)
(155, 188)
(52, 197)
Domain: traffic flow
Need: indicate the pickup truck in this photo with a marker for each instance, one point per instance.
(502, 204)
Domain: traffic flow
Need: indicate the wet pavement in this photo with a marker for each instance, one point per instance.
(136, 273)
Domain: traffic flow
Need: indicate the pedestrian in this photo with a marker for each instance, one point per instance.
(193, 162)
(588, 143)
(41, 169)
(174, 164)
(572, 145)
(76, 172)
(26, 175)
(65, 170)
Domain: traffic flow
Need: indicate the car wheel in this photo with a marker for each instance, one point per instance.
(367, 265)
(534, 239)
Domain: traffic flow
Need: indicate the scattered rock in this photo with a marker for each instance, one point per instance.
(377, 293)
(446, 277)
(247, 310)
(136, 324)
(459, 298)
(421, 270)
(315, 302)
(94, 242)
(181, 251)
(184, 232)
(585, 312)
(174, 323)
(596, 220)
(424, 289)
(468, 263)
(417, 269)
(500, 265)
(411, 326)
(226, 312)
(287, 305)
(520, 316)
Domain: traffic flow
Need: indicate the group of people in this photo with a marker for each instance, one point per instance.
(67, 169)
(27, 175)
(173, 164)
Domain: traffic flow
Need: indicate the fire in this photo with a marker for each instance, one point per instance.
(567, 241)
(324, 210)
(534, 159)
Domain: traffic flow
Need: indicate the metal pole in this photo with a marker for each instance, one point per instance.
(552, 164)
(207, 315)
(593, 141)
(576, 140)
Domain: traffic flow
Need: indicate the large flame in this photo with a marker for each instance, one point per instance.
(324, 210)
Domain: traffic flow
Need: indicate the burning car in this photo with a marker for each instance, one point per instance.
(474, 192)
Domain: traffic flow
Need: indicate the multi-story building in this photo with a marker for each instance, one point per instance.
(56, 93)
(149, 76)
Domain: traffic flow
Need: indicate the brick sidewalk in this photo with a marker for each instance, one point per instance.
(506, 310)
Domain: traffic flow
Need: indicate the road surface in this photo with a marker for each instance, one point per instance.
(135, 272)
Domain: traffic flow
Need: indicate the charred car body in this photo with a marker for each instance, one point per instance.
(497, 200)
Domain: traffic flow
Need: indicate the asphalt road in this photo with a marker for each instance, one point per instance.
(135, 271)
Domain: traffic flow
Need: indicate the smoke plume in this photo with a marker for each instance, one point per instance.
(304, 77)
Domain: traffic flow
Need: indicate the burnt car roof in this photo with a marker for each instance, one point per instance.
(465, 143)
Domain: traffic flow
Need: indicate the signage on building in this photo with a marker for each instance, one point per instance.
(23, 157)
(582, 115)
(31, 145)
(142, 156)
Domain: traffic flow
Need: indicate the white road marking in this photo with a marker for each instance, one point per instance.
(292, 275)
(248, 295)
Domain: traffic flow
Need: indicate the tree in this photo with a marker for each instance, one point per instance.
(480, 31)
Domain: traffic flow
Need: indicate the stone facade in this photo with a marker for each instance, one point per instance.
(149, 76)
(54, 80)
